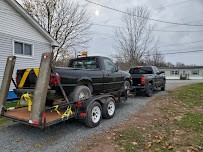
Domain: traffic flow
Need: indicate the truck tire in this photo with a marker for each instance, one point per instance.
(126, 85)
(49, 102)
(109, 108)
(149, 90)
(163, 88)
(94, 114)
(81, 92)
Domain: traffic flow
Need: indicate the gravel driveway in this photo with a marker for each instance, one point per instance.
(64, 136)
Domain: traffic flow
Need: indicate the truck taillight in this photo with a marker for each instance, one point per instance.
(142, 80)
(16, 79)
(53, 79)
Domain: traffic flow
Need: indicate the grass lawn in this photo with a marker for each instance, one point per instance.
(178, 127)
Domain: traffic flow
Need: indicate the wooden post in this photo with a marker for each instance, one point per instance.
(5, 85)
(41, 88)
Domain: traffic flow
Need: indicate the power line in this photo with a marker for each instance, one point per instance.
(178, 25)
(112, 26)
(173, 4)
(156, 20)
(185, 49)
(181, 43)
(183, 52)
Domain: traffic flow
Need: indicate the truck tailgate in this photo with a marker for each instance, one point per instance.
(136, 78)
(26, 78)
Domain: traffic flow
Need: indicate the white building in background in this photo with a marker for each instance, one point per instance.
(192, 73)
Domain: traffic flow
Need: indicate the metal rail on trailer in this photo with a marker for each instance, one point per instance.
(42, 116)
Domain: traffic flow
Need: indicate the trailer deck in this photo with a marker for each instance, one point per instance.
(24, 114)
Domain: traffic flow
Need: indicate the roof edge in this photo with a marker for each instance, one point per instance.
(32, 21)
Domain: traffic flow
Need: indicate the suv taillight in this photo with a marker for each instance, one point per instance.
(142, 80)
(53, 79)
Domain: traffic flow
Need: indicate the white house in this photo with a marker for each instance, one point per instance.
(22, 36)
(191, 73)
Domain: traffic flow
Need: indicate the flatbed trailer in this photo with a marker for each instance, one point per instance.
(89, 111)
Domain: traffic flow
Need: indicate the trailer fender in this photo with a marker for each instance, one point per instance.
(102, 99)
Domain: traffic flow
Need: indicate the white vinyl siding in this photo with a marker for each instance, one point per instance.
(14, 27)
(6, 47)
(12, 23)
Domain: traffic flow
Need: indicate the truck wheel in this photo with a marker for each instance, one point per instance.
(108, 108)
(163, 88)
(149, 90)
(126, 85)
(49, 102)
(80, 93)
(94, 113)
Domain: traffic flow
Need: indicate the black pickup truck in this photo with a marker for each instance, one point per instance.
(147, 78)
(83, 77)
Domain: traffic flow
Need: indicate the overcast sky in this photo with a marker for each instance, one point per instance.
(189, 11)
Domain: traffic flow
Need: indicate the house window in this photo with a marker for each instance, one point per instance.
(174, 72)
(195, 72)
(23, 49)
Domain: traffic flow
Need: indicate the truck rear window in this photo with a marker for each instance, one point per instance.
(141, 70)
(84, 63)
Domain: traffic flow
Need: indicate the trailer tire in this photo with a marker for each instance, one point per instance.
(81, 92)
(94, 114)
(109, 108)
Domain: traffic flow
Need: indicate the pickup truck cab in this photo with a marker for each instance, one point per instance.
(147, 78)
(82, 78)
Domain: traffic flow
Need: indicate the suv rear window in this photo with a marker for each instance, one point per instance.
(141, 70)
(85, 63)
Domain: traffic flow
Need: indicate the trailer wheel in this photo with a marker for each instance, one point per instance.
(80, 93)
(94, 113)
(108, 108)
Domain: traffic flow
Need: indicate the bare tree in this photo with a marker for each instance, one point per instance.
(136, 38)
(65, 20)
(179, 64)
(154, 58)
